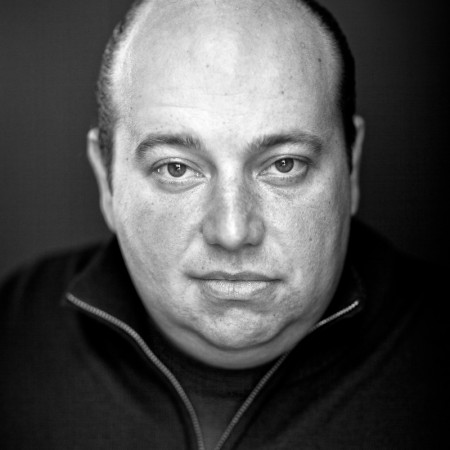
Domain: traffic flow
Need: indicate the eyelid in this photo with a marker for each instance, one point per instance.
(302, 160)
(183, 181)
(189, 164)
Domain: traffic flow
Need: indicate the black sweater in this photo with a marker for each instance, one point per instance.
(82, 367)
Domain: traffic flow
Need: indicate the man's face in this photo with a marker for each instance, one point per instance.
(231, 193)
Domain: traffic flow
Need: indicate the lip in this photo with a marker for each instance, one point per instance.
(238, 286)
(236, 276)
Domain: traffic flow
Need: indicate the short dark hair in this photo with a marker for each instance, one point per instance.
(346, 91)
(107, 114)
(346, 87)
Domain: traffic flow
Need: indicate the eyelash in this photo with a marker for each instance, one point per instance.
(171, 179)
(291, 175)
(295, 163)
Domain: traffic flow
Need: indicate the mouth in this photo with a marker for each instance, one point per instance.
(239, 286)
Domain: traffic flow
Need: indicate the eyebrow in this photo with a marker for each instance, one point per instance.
(294, 138)
(182, 140)
(189, 141)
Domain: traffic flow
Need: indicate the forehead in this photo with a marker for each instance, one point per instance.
(230, 54)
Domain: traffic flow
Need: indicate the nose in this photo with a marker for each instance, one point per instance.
(233, 221)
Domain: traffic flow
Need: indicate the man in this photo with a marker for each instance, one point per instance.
(238, 306)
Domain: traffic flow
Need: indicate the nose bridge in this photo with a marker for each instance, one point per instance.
(233, 220)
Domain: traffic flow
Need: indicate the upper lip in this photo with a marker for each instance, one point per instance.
(234, 276)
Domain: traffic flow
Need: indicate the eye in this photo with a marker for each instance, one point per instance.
(286, 168)
(176, 172)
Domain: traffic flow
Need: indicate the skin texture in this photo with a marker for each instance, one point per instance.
(228, 75)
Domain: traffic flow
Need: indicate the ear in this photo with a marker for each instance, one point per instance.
(101, 175)
(360, 128)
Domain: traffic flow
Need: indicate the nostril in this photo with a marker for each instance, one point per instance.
(232, 220)
(257, 231)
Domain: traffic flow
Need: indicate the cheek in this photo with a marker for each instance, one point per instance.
(155, 228)
(311, 230)
(314, 216)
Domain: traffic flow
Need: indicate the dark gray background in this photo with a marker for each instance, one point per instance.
(49, 56)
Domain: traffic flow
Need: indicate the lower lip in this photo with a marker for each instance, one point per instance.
(237, 290)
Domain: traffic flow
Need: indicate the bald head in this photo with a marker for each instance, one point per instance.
(228, 48)
(229, 158)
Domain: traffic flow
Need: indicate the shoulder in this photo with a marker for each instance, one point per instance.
(35, 328)
(387, 270)
(402, 342)
(405, 320)
(406, 306)
(45, 278)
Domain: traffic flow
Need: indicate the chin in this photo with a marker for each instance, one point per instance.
(242, 336)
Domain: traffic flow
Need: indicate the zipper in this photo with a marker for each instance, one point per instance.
(176, 384)
(150, 355)
(258, 388)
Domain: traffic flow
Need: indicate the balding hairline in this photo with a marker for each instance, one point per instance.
(120, 67)
(121, 73)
